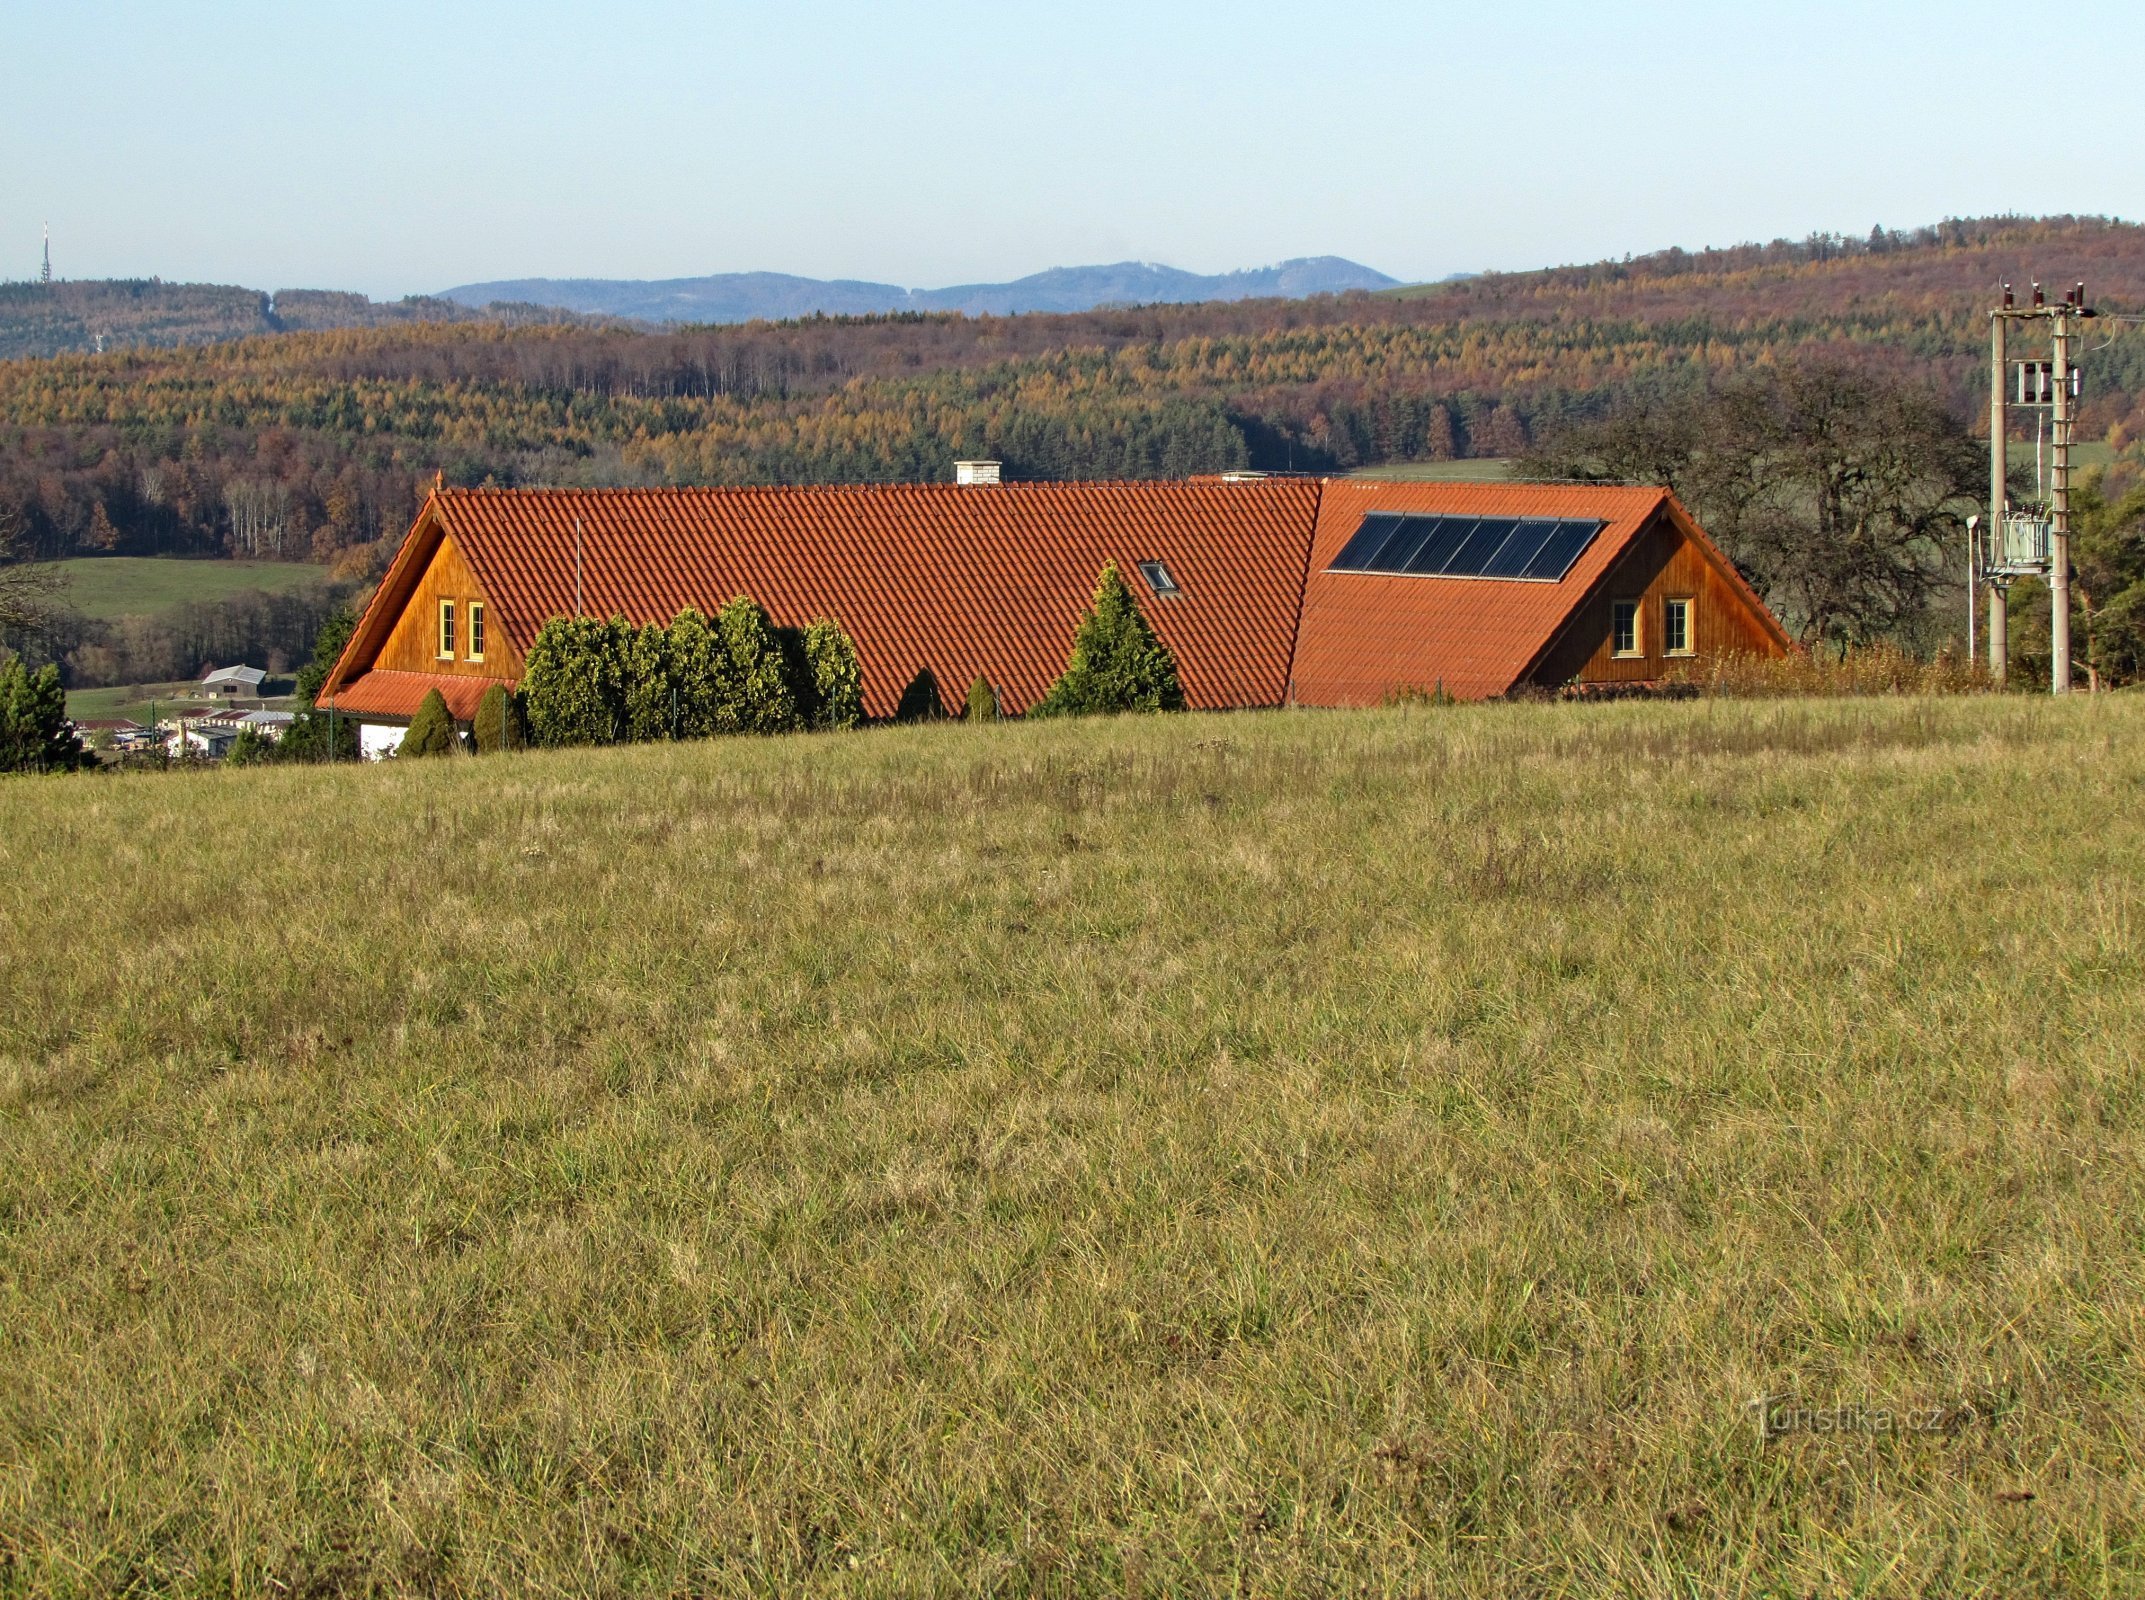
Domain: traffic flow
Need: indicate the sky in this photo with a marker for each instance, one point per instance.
(400, 148)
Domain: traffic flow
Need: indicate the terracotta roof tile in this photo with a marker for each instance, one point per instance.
(963, 580)
(397, 694)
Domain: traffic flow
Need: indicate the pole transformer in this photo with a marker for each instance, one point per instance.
(2034, 542)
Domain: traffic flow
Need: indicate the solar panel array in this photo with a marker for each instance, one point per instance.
(1538, 548)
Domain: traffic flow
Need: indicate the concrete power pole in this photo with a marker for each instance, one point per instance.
(1999, 484)
(2037, 542)
(2059, 501)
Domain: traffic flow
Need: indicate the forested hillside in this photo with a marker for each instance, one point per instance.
(63, 318)
(308, 445)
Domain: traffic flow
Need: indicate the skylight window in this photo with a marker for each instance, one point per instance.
(1159, 579)
(1541, 549)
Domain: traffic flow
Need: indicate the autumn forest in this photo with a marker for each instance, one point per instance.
(316, 445)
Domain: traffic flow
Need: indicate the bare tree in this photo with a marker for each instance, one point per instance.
(27, 591)
(1838, 491)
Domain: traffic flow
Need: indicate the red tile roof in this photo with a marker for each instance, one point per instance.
(397, 694)
(992, 580)
(1366, 635)
(963, 580)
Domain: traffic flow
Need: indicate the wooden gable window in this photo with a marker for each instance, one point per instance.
(476, 630)
(1624, 627)
(1676, 627)
(446, 630)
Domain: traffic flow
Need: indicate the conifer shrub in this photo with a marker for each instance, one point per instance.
(921, 701)
(1118, 662)
(836, 676)
(250, 749)
(498, 723)
(431, 731)
(766, 701)
(705, 677)
(653, 710)
(982, 701)
(573, 685)
(35, 735)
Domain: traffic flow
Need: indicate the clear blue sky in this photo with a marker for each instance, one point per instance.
(400, 147)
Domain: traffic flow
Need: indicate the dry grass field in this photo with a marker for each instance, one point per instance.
(1380, 1153)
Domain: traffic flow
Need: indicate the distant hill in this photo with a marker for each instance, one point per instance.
(75, 317)
(747, 296)
(323, 445)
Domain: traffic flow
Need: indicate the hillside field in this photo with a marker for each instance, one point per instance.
(1283, 1153)
(110, 587)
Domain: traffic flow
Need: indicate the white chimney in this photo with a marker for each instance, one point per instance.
(975, 471)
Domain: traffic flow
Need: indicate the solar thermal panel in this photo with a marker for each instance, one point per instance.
(1469, 560)
(1447, 534)
(1566, 543)
(1361, 552)
(1540, 549)
(1525, 543)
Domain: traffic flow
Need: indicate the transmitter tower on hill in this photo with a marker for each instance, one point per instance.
(45, 277)
(2032, 538)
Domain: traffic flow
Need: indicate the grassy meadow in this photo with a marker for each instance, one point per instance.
(1377, 1153)
(1470, 469)
(110, 587)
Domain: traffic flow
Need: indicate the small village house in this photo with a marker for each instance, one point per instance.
(1271, 591)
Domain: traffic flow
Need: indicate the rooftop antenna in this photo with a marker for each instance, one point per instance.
(46, 275)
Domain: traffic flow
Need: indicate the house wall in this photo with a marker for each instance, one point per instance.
(377, 740)
(1661, 564)
(413, 644)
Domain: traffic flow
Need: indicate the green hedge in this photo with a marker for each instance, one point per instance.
(607, 682)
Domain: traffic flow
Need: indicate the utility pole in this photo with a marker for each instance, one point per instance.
(2035, 542)
(2059, 501)
(1999, 476)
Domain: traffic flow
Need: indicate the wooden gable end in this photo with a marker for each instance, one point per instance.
(1667, 561)
(414, 638)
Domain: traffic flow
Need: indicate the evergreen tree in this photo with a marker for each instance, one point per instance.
(982, 701)
(573, 685)
(328, 644)
(706, 680)
(1117, 664)
(653, 708)
(765, 701)
(837, 676)
(431, 731)
(921, 701)
(315, 734)
(251, 748)
(498, 723)
(35, 735)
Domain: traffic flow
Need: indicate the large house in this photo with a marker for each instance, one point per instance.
(1271, 591)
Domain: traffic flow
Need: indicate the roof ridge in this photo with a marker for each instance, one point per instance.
(876, 486)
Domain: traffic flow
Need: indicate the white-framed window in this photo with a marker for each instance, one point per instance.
(1676, 627)
(1624, 627)
(446, 630)
(476, 630)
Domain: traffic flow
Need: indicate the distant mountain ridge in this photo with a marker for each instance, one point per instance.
(774, 296)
